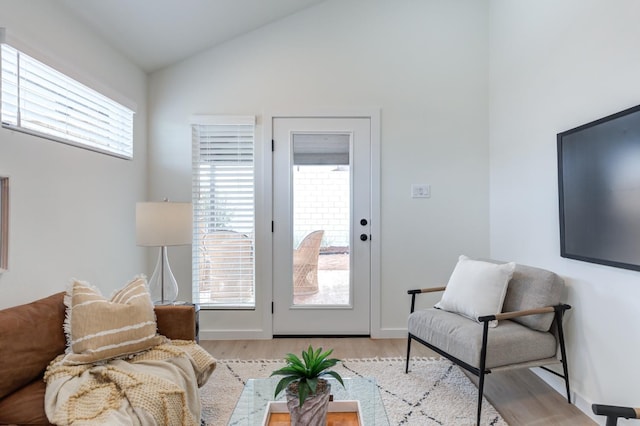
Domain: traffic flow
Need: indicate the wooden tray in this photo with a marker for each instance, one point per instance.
(343, 413)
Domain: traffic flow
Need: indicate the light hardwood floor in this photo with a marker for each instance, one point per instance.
(520, 396)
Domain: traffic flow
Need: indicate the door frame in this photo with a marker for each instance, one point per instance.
(266, 265)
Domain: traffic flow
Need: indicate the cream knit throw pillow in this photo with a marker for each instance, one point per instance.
(98, 329)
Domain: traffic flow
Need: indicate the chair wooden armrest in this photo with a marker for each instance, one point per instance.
(508, 315)
(420, 291)
(426, 290)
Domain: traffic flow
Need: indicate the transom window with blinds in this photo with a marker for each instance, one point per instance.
(224, 211)
(41, 101)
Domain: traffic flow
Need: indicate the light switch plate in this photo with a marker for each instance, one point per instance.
(420, 190)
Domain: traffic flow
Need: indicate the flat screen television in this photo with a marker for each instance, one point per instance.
(599, 190)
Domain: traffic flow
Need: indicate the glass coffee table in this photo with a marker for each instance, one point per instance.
(257, 393)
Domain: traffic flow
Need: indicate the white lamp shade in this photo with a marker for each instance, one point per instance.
(163, 224)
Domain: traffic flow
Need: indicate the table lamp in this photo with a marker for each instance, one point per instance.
(162, 224)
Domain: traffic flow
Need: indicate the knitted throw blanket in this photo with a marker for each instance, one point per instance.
(155, 387)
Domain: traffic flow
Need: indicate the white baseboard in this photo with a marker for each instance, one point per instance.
(389, 333)
(258, 334)
(234, 335)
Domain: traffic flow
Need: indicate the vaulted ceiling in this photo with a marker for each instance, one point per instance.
(157, 33)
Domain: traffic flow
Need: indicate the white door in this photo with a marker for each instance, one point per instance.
(322, 222)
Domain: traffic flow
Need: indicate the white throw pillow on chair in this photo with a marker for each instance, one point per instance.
(476, 288)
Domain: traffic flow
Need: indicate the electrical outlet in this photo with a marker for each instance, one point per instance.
(420, 191)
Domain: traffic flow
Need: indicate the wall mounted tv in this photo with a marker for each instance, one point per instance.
(599, 189)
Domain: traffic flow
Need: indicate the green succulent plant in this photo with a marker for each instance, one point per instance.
(306, 371)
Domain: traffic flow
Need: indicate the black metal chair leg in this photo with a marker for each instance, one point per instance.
(406, 368)
(480, 393)
(483, 363)
(563, 352)
(566, 377)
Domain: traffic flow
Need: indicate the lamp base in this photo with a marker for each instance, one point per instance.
(163, 286)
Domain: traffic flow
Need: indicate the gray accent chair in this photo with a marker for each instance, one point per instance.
(529, 331)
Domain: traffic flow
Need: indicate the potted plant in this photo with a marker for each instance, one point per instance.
(306, 391)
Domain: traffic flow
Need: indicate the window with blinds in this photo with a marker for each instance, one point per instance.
(224, 211)
(41, 101)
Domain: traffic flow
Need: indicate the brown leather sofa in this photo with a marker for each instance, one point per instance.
(32, 335)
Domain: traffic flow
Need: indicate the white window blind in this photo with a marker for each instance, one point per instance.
(224, 212)
(39, 100)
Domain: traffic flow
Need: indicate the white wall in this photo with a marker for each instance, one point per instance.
(554, 66)
(424, 63)
(72, 211)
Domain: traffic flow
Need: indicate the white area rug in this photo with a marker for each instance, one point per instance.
(435, 392)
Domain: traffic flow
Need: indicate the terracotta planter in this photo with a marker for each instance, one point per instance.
(314, 409)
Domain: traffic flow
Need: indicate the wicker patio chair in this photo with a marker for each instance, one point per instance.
(228, 264)
(305, 264)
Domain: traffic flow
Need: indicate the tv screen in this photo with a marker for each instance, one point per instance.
(599, 189)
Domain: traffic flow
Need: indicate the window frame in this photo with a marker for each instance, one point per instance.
(74, 111)
(203, 225)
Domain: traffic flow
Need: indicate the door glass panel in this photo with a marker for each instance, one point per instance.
(321, 219)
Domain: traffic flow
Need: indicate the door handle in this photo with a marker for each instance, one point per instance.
(363, 222)
(364, 237)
